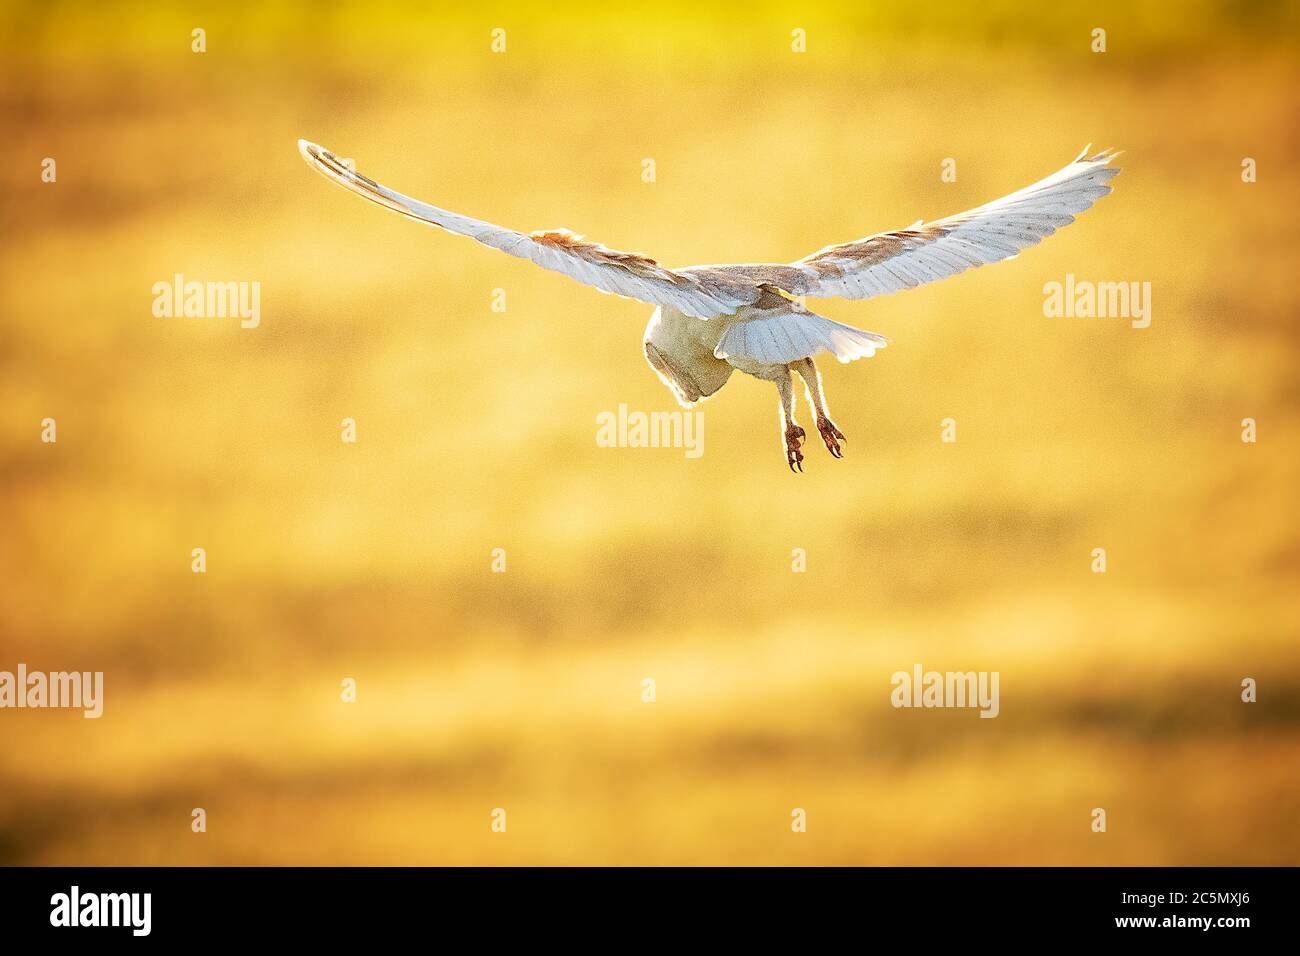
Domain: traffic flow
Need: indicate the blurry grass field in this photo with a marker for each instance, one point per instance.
(476, 431)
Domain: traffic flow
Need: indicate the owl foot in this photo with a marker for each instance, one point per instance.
(794, 436)
(832, 436)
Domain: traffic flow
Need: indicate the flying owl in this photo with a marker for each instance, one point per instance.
(712, 320)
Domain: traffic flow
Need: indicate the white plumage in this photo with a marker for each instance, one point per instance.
(713, 319)
(789, 335)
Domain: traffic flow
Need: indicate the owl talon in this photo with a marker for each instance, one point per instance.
(832, 436)
(794, 436)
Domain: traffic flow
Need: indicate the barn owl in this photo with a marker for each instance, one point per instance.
(712, 320)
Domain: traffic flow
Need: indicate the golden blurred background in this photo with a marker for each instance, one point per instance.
(476, 430)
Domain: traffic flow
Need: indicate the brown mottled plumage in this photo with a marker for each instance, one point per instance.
(594, 252)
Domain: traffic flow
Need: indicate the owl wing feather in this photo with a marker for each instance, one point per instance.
(925, 252)
(629, 274)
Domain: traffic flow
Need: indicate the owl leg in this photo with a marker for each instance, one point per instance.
(812, 380)
(794, 435)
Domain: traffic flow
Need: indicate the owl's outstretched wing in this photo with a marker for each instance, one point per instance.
(628, 274)
(925, 252)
